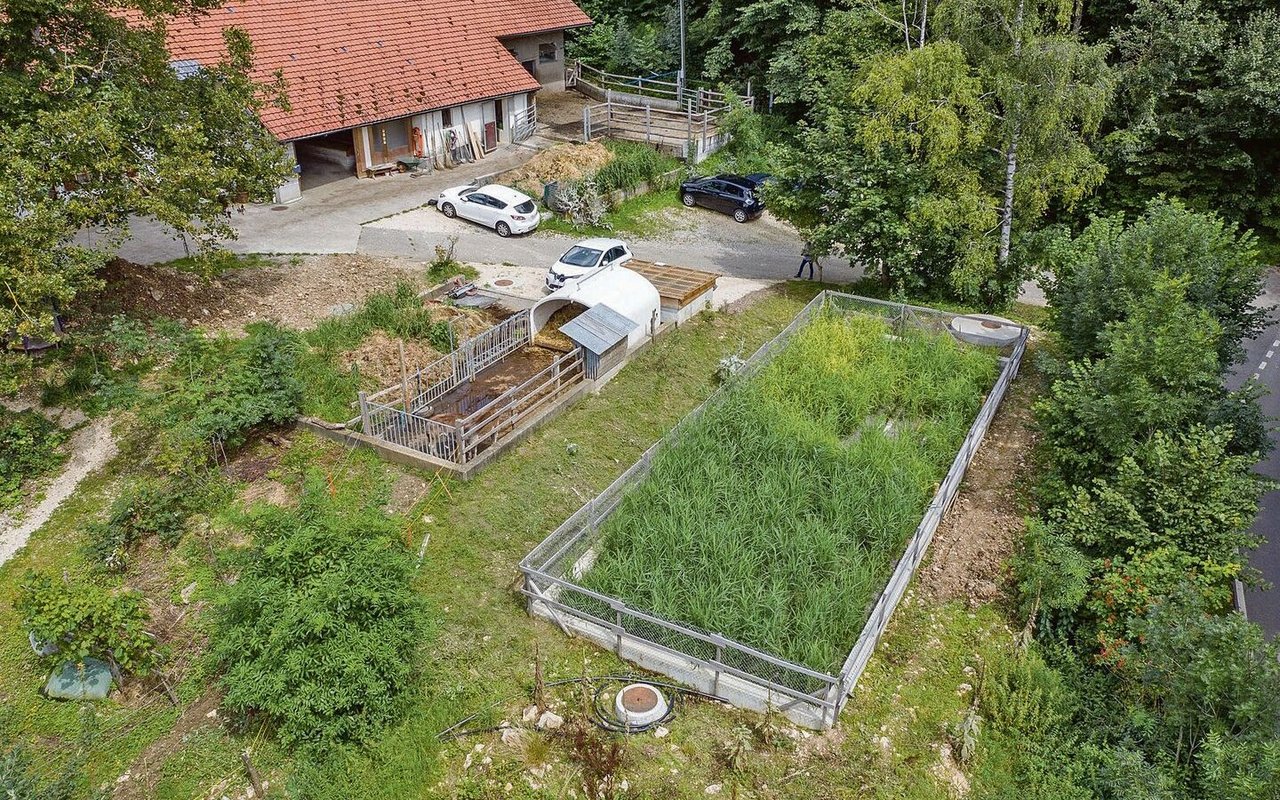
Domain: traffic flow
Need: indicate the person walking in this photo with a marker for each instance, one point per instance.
(806, 260)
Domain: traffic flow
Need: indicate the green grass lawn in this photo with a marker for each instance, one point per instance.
(645, 216)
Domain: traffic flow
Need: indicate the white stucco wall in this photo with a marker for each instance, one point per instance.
(549, 73)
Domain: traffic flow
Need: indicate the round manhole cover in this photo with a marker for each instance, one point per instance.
(638, 699)
(279, 208)
(503, 282)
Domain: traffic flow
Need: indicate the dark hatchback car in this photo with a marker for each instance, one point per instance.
(729, 194)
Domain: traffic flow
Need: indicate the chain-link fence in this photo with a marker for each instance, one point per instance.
(734, 671)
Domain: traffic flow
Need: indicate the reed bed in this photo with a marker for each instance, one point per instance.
(776, 517)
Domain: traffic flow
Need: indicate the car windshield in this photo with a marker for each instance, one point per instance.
(526, 207)
(579, 256)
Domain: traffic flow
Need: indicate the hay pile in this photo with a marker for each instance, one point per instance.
(378, 358)
(565, 162)
(550, 336)
(466, 322)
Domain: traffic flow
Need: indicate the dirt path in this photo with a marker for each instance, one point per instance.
(91, 446)
(972, 547)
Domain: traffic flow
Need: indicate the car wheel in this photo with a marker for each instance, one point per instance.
(503, 229)
(739, 215)
(688, 200)
(448, 210)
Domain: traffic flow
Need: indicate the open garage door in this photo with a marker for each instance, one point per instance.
(325, 159)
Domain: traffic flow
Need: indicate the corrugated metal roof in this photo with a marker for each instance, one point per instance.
(598, 328)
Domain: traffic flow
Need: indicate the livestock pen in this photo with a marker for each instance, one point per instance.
(758, 550)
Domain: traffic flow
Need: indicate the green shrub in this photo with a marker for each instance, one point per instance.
(29, 449)
(82, 619)
(148, 507)
(20, 779)
(633, 163)
(320, 632)
(445, 265)
(220, 389)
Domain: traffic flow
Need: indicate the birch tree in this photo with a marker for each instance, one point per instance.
(987, 106)
(1042, 97)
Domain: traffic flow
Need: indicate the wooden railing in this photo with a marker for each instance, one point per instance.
(463, 440)
(687, 134)
(508, 410)
(653, 90)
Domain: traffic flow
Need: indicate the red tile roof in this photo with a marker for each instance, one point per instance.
(350, 63)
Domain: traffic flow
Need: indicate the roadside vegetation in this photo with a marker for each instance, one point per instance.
(1149, 682)
(583, 206)
(778, 513)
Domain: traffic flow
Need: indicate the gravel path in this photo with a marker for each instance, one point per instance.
(91, 446)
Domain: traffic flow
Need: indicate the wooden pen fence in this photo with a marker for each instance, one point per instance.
(402, 414)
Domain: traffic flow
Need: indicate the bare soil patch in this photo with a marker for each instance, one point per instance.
(298, 293)
(977, 537)
(562, 112)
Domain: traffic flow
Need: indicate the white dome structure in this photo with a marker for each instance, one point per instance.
(623, 291)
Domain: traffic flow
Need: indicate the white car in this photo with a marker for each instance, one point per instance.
(505, 210)
(585, 256)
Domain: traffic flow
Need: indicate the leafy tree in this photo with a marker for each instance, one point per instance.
(937, 137)
(98, 127)
(1180, 490)
(1094, 278)
(82, 619)
(320, 632)
(1198, 115)
(1159, 372)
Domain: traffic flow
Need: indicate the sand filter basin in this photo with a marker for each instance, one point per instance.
(640, 704)
(984, 329)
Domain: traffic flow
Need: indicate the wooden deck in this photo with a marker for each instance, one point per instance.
(676, 286)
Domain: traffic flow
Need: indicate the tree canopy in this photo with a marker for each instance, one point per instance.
(98, 126)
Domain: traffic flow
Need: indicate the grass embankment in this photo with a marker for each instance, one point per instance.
(776, 517)
(330, 389)
(641, 216)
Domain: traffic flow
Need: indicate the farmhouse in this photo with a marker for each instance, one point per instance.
(371, 85)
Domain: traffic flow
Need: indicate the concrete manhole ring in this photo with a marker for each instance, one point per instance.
(640, 704)
(985, 330)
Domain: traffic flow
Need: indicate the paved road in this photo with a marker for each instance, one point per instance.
(1263, 360)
